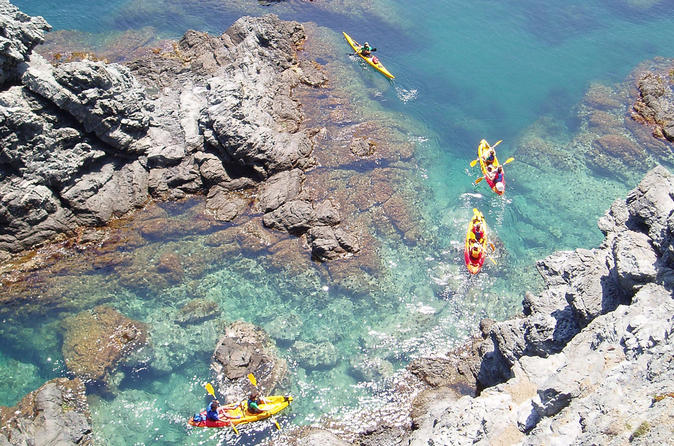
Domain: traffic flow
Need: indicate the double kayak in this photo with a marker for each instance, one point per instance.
(489, 176)
(237, 413)
(371, 59)
(474, 265)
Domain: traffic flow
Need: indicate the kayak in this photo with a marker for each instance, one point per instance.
(371, 59)
(475, 265)
(237, 413)
(484, 145)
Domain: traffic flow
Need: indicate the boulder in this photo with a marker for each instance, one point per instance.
(56, 413)
(243, 349)
(197, 311)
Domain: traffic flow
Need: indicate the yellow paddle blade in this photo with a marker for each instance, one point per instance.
(490, 258)
(252, 379)
(478, 180)
(277, 425)
(473, 163)
(209, 389)
(509, 160)
(236, 431)
(497, 143)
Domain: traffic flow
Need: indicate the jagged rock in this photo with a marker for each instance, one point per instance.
(245, 349)
(20, 34)
(95, 341)
(105, 98)
(84, 142)
(56, 413)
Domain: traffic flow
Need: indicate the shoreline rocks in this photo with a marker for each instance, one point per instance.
(86, 142)
(57, 412)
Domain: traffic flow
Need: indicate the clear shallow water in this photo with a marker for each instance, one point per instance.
(465, 71)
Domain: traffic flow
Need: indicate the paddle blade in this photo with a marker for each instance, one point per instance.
(478, 180)
(491, 245)
(497, 143)
(236, 431)
(473, 163)
(509, 160)
(490, 258)
(252, 379)
(277, 425)
(209, 389)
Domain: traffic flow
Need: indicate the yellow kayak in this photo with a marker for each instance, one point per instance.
(371, 59)
(233, 414)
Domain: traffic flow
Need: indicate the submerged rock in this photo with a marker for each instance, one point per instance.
(95, 341)
(56, 413)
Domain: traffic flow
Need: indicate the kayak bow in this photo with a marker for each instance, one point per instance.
(371, 59)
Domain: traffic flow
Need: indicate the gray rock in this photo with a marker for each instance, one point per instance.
(285, 328)
(279, 189)
(635, 260)
(105, 98)
(294, 216)
(56, 413)
(224, 205)
(20, 34)
(245, 349)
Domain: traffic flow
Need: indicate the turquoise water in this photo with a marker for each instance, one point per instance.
(464, 71)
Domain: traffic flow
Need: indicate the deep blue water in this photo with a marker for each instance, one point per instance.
(465, 70)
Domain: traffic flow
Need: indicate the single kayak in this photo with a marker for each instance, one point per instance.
(474, 265)
(371, 59)
(237, 413)
(484, 145)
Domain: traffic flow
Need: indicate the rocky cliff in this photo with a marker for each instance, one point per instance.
(84, 142)
(590, 361)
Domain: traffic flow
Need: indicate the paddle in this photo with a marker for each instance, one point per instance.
(211, 390)
(253, 381)
(474, 162)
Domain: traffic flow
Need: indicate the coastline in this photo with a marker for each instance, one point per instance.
(318, 194)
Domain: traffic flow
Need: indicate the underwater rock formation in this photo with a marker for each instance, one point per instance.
(56, 413)
(84, 142)
(95, 341)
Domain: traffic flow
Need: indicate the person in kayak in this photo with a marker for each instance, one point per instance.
(489, 156)
(212, 411)
(366, 49)
(498, 179)
(475, 251)
(253, 403)
(478, 232)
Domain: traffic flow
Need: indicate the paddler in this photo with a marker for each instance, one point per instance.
(366, 49)
(254, 402)
(489, 156)
(212, 411)
(478, 231)
(498, 179)
(475, 250)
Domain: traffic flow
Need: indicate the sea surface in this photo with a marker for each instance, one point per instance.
(465, 70)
